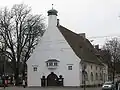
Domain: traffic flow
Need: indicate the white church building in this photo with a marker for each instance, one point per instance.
(63, 58)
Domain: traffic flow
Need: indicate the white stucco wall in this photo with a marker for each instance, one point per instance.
(53, 46)
(105, 73)
(94, 71)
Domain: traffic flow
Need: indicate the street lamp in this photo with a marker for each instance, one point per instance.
(83, 71)
(84, 74)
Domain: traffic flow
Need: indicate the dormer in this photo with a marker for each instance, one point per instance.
(52, 63)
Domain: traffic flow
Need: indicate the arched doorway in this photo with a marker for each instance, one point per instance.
(52, 79)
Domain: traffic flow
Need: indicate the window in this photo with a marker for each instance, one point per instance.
(47, 64)
(91, 76)
(96, 67)
(34, 69)
(104, 76)
(50, 64)
(91, 66)
(69, 67)
(55, 64)
(101, 77)
(96, 76)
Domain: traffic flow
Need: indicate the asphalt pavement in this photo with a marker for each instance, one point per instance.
(49, 88)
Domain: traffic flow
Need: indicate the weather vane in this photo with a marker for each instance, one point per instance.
(52, 6)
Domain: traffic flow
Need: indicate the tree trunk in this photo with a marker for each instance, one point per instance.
(23, 72)
(114, 72)
(17, 77)
(113, 76)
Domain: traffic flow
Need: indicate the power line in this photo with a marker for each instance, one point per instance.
(103, 36)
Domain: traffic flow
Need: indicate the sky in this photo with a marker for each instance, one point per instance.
(96, 18)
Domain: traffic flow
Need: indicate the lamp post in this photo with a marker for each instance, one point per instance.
(83, 74)
(83, 71)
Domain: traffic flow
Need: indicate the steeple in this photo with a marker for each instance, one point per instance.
(52, 11)
(52, 17)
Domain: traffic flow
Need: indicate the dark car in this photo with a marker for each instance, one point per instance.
(1, 83)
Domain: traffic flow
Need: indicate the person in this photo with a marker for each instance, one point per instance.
(23, 83)
(13, 82)
(118, 86)
(4, 84)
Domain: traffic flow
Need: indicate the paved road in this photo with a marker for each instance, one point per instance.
(50, 88)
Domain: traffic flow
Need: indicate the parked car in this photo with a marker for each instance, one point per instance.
(1, 83)
(119, 86)
(108, 86)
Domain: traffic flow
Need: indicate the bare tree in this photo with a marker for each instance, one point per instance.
(113, 46)
(19, 32)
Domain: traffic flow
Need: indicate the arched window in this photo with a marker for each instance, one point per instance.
(104, 78)
(91, 76)
(101, 76)
(96, 76)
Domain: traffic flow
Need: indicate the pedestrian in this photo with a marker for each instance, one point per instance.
(23, 83)
(14, 82)
(4, 84)
(116, 84)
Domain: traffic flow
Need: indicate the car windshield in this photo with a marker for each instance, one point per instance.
(108, 83)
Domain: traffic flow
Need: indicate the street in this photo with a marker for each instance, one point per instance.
(49, 88)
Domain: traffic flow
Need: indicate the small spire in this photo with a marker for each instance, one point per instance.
(52, 11)
(52, 6)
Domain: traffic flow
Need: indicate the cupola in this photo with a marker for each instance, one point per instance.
(52, 12)
(52, 17)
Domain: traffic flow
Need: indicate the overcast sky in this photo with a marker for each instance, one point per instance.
(93, 17)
